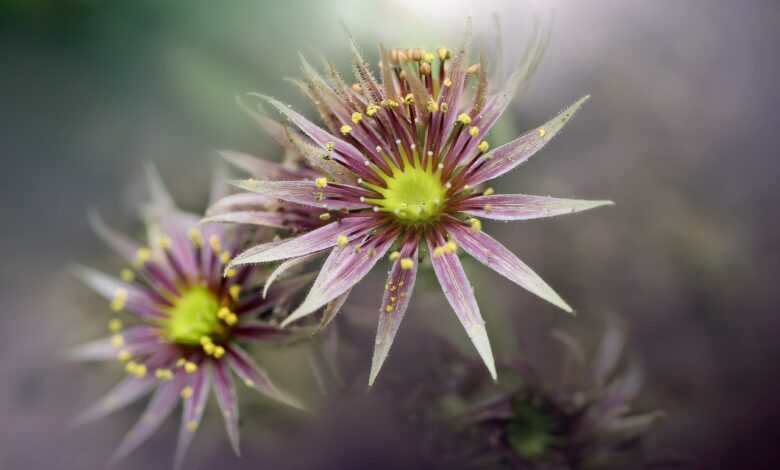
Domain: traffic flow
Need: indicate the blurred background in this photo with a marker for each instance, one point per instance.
(681, 131)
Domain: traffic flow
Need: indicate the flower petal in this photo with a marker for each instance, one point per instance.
(262, 218)
(160, 407)
(284, 267)
(395, 301)
(331, 197)
(257, 378)
(257, 167)
(332, 309)
(344, 268)
(192, 414)
(241, 202)
(225, 390)
(124, 393)
(524, 206)
(310, 242)
(508, 156)
(460, 295)
(497, 257)
(135, 299)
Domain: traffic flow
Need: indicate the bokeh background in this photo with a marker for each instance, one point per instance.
(682, 132)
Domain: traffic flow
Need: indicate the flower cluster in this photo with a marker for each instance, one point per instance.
(187, 322)
(402, 164)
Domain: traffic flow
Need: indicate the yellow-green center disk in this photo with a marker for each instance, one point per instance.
(193, 316)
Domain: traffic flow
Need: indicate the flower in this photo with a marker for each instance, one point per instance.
(188, 323)
(408, 156)
(577, 416)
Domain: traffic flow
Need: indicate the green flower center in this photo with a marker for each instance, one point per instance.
(193, 316)
(530, 432)
(414, 195)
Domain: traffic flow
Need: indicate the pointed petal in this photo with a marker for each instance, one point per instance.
(134, 339)
(460, 295)
(136, 299)
(508, 156)
(192, 414)
(124, 393)
(160, 407)
(100, 350)
(395, 301)
(161, 199)
(124, 246)
(331, 197)
(284, 267)
(490, 252)
(332, 309)
(254, 377)
(261, 218)
(608, 355)
(225, 390)
(344, 268)
(524, 206)
(241, 202)
(310, 242)
(258, 167)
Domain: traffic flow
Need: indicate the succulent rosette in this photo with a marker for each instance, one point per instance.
(185, 323)
(402, 164)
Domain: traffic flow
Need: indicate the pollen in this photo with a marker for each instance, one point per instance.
(476, 224)
(115, 325)
(372, 109)
(224, 257)
(432, 106)
(223, 313)
(324, 216)
(321, 182)
(542, 131)
(163, 374)
(142, 256)
(186, 392)
(407, 263)
(234, 291)
(196, 237)
(192, 426)
(190, 367)
(219, 351)
(389, 308)
(214, 243)
(346, 129)
(395, 255)
(342, 241)
(483, 146)
(438, 251)
(464, 119)
(117, 341)
(231, 272)
(249, 383)
(136, 369)
(123, 355)
(357, 117)
(447, 82)
(450, 247)
(474, 131)
(409, 98)
(444, 107)
(127, 275)
(330, 146)
(165, 242)
(208, 348)
(488, 192)
(444, 53)
(231, 319)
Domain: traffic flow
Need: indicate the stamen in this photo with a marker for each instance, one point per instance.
(407, 263)
(163, 374)
(325, 216)
(127, 275)
(356, 117)
(117, 341)
(542, 132)
(196, 237)
(488, 192)
(372, 109)
(321, 182)
(474, 131)
(119, 300)
(190, 367)
(115, 325)
(395, 255)
(483, 146)
(342, 241)
(142, 256)
(476, 224)
(215, 244)
(346, 129)
(234, 291)
(464, 119)
(186, 392)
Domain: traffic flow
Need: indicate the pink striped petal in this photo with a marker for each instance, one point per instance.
(124, 393)
(160, 407)
(225, 390)
(460, 295)
(283, 268)
(256, 330)
(259, 168)
(261, 218)
(395, 301)
(523, 206)
(508, 156)
(256, 378)
(192, 414)
(138, 300)
(331, 197)
(241, 202)
(310, 242)
(497, 257)
(344, 268)
(134, 338)
(124, 246)
(332, 309)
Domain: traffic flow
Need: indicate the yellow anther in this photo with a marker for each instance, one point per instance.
(249, 382)
(346, 129)
(450, 247)
(438, 251)
(476, 224)
(231, 319)
(395, 255)
(444, 107)
(325, 216)
(474, 131)
(444, 53)
(356, 117)
(407, 263)
(330, 146)
(488, 192)
(209, 348)
(488, 207)
(542, 132)
(473, 68)
(389, 308)
(190, 367)
(119, 300)
(464, 119)
(372, 109)
(447, 82)
(138, 370)
(483, 146)
(390, 103)
(231, 272)
(234, 291)
(223, 312)
(356, 87)
(163, 374)
(342, 241)
(117, 341)
(219, 351)
(123, 355)
(115, 325)
(428, 57)
(321, 182)
(214, 243)
(142, 256)
(165, 242)
(186, 392)
(224, 257)
(127, 275)
(432, 106)
(409, 98)
(192, 425)
(180, 362)
(196, 237)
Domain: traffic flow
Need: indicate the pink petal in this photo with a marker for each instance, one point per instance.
(344, 268)
(241, 202)
(460, 295)
(259, 168)
(225, 390)
(284, 267)
(395, 301)
(508, 156)
(331, 197)
(254, 377)
(523, 206)
(124, 393)
(138, 300)
(192, 414)
(261, 218)
(497, 257)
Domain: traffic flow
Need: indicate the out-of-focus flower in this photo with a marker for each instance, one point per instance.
(186, 322)
(577, 416)
(401, 162)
